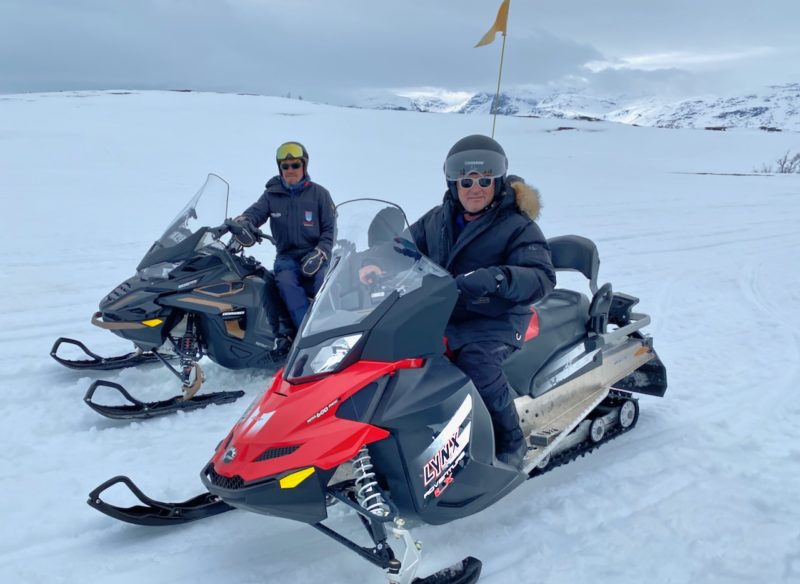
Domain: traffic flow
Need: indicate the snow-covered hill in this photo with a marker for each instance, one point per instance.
(776, 107)
(704, 490)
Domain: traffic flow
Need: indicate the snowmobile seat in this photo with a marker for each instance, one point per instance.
(563, 315)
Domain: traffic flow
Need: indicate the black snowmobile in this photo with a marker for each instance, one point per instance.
(370, 412)
(192, 295)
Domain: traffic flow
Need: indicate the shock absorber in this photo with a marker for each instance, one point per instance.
(368, 492)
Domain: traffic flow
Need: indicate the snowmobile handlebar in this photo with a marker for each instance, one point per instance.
(230, 226)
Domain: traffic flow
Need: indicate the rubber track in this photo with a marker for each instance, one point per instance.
(615, 398)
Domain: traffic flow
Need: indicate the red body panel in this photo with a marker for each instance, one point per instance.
(533, 326)
(304, 415)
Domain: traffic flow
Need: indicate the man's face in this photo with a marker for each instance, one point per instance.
(292, 170)
(475, 197)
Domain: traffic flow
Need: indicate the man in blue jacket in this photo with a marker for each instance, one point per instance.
(302, 220)
(483, 233)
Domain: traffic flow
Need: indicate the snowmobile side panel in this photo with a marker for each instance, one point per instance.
(439, 460)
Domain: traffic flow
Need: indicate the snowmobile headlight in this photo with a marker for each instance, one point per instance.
(160, 271)
(323, 358)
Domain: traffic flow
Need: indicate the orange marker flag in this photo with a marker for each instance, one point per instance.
(500, 25)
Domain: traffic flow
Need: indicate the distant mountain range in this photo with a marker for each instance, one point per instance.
(775, 108)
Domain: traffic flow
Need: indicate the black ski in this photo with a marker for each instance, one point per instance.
(467, 571)
(157, 513)
(98, 363)
(142, 410)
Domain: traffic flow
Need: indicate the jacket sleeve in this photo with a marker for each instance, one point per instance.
(529, 268)
(418, 233)
(258, 212)
(327, 222)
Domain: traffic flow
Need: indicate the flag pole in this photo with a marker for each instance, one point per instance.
(497, 93)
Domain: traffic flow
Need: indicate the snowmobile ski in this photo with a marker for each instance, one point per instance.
(98, 363)
(142, 410)
(157, 513)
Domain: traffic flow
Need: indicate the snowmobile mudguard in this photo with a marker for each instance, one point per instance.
(157, 513)
(143, 410)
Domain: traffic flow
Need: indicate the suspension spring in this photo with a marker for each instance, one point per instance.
(368, 492)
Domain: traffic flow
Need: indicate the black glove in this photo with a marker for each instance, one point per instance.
(244, 231)
(312, 261)
(481, 282)
(407, 248)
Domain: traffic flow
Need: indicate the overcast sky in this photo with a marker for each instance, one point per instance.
(326, 50)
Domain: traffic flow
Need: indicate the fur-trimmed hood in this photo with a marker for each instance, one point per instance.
(527, 197)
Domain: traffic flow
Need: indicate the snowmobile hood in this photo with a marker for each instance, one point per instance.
(281, 454)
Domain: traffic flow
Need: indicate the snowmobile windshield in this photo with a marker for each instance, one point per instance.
(374, 261)
(185, 234)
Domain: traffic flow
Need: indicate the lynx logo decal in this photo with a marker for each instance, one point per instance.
(446, 451)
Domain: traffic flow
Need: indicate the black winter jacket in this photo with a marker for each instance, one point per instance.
(505, 236)
(299, 222)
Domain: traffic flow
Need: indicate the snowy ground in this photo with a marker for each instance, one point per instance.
(704, 490)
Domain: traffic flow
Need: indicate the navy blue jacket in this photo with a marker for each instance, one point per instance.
(300, 220)
(504, 236)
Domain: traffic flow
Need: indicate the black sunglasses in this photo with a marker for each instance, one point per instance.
(484, 181)
(292, 165)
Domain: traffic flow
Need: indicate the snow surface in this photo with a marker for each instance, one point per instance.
(705, 489)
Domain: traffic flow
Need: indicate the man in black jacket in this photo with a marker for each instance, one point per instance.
(302, 220)
(484, 234)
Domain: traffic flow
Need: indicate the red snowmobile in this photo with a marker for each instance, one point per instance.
(370, 413)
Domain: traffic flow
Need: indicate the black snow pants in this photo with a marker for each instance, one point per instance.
(482, 363)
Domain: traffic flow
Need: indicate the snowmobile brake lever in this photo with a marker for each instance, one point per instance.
(156, 513)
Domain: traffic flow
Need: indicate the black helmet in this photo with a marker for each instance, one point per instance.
(475, 153)
(289, 150)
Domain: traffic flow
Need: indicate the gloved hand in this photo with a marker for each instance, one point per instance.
(244, 231)
(369, 273)
(312, 261)
(481, 282)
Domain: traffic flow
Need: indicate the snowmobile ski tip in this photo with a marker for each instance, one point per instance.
(157, 513)
(142, 410)
(98, 363)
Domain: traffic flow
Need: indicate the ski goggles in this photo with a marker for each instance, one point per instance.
(483, 162)
(292, 165)
(468, 181)
(289, 150)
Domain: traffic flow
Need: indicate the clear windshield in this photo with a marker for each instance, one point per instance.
(207, 207)
(373, 258)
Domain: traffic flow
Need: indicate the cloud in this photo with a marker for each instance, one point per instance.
(680, 59)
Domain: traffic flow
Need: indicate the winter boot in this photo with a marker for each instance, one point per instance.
(511, 447)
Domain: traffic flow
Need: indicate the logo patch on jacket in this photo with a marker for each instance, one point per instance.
(308, 219)
(276, 215)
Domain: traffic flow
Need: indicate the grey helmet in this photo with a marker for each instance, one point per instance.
(475, 153)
